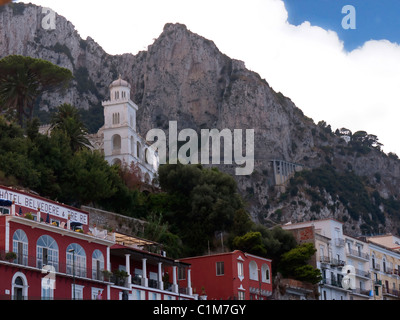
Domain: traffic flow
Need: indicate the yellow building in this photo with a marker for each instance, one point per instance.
(385, 267)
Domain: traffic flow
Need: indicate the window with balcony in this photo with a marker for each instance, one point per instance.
(47, 252)
(220, 268)
(20, 247)
(76, 260)
(97, 264)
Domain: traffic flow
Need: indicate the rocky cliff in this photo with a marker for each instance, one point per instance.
(183, 77)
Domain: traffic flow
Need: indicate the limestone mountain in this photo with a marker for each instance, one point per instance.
(183, 77)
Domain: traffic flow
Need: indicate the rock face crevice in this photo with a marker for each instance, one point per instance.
(183, 77)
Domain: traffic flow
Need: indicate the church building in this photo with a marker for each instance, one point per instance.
(119, 139)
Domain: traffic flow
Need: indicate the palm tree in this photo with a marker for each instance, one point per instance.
(23, 79)
(67, 120)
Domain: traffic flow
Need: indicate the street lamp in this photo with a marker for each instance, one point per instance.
(259, 284)
(73, 270)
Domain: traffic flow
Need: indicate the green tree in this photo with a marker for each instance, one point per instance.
(295, 264)
(16, 166)
(251, 242)
(93, 179)
(23, 80)
(206, 198)
(67, 119)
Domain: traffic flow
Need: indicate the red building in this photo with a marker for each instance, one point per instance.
(48, 251)
(233, 275)
(148, 276)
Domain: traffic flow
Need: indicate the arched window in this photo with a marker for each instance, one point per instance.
(147, 155)
(117, 161)
(116, 142)
(265, 273)
(47, 252)
(97, 264)
(76, 260)
(253, 270)
(20, 247)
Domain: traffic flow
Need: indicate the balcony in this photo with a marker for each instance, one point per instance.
(376, 266)
(363, 274)
(357, 254)
(333, 283)
(388, 270)
(52, 265)
(391, 292)
(338, 263)
(377, 282)
(325, 259)
(339, 242)
(360, 291)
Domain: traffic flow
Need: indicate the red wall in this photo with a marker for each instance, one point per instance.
(224, 286)
(34, 276)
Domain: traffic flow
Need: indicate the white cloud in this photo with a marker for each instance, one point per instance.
(357, 90)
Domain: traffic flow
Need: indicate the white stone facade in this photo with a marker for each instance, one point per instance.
(121, 142)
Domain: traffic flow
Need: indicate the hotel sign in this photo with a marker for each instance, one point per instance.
(46, 207)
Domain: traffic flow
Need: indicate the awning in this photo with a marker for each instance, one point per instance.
(5, 203)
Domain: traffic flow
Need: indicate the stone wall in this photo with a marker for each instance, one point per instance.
(113, 221)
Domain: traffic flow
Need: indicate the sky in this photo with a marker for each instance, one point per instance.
(337, 60)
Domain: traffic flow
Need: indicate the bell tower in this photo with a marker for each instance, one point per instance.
(119, 124)
(121, 143)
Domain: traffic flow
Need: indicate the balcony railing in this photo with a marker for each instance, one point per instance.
(332, 282)
(361, 291)
(338, 262)
(377, 282)
(362, 273)
(358, 254)
(325, 259)
(391, 292)
(376, 266)
(339, 242)
(388, 270)
(55, 266)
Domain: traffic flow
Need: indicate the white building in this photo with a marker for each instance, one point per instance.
(331, 259)
(121, 142)
(358, 261)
